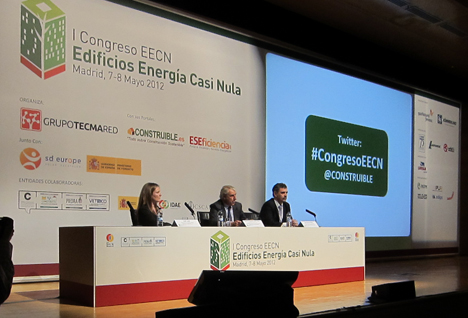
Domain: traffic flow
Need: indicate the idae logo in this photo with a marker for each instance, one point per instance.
(163, 204)
(220, 251)
(30, 158)
(42, 38)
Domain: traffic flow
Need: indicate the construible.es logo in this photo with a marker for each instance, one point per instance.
(154, 134)
(42, 38)
(220, 251)
(31, 119)
(30, 159)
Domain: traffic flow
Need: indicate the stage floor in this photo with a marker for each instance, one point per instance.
(432, 276)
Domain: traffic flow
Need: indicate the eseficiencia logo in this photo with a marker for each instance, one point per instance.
(210, 143)
(42, 38)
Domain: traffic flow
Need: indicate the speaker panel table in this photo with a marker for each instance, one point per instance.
(102, 266)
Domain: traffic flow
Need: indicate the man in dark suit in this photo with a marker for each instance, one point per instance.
(275, 210)
(227, 204)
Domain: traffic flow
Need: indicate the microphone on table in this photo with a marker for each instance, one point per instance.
(253, 211)
(255, 214)
(190, 209)
(310, 212)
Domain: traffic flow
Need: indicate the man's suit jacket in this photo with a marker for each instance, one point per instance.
(269, 213)
(219, 206)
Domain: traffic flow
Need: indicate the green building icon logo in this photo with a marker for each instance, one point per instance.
(42, 37)
(220, 251)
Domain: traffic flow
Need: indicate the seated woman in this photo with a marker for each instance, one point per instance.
(148, 207)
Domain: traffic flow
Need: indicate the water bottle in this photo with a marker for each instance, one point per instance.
(220, 218)
(288, 219)
(160, 219)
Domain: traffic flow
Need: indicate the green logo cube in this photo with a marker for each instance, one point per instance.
(220, 251)
(42, 37)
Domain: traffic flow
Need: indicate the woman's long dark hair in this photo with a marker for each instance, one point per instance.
(145, 195)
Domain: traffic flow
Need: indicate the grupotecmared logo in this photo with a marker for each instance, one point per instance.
(31, 119)
(42, 38)
(30, 158)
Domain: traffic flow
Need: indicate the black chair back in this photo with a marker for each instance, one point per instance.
(203, 218)
(133, 214)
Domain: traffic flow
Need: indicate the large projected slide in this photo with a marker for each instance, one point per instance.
(99, 98)
(342, 145)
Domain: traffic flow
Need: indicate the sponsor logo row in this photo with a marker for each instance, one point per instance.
(438, 118)
(31, 159)
(78, 201)
(422, 145)
(425, 196)
(423, 186)
(437, 191)
(33, 120)
(163, 204)
(53, 200)
(423, 168)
